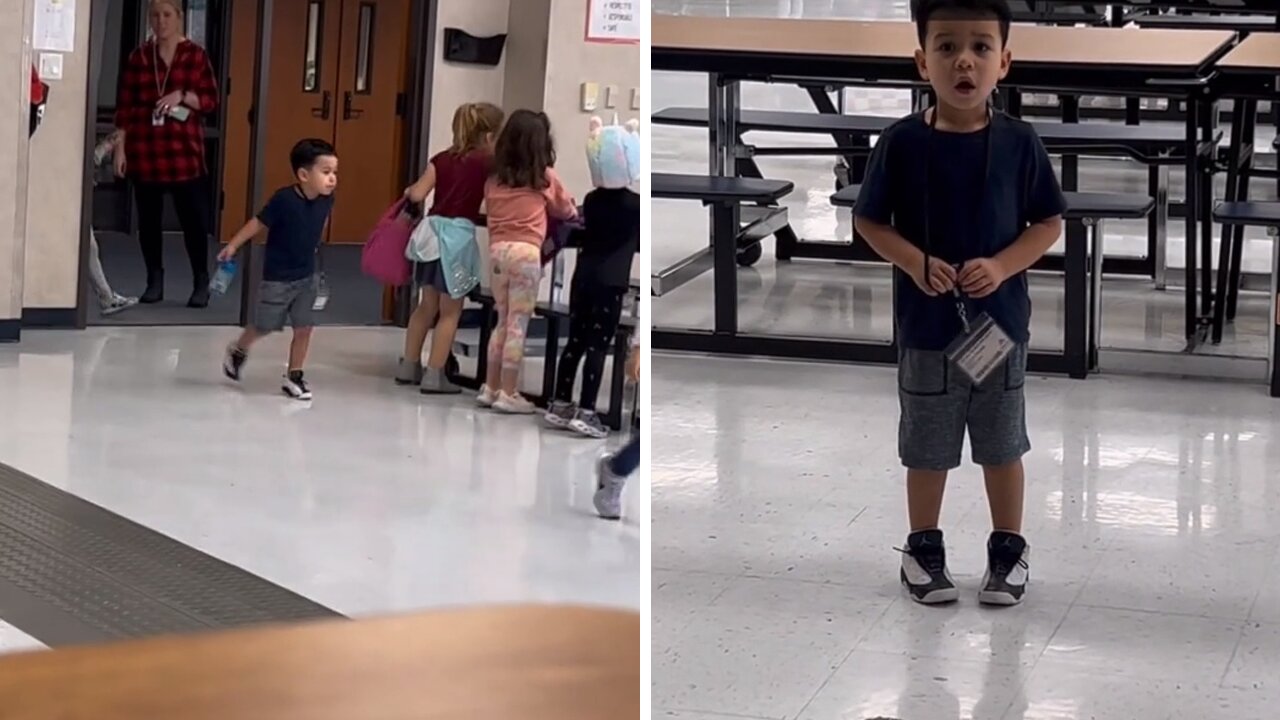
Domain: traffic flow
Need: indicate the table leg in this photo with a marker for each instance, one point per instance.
(1192, 202)
(724, 228)
(1070, 161)
(1250, 121)
(1208, 113)
(1097, 254)
(1075, 304)
(1274, 311)
(551, 358)
(1225, 248)
(1158, 225)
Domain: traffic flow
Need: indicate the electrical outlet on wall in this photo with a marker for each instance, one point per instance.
(590, 96)
(635, 98)
(611, 96)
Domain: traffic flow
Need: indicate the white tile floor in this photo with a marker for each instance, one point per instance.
(777, 501)
(371, 500)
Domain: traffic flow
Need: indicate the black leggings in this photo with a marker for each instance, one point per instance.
(594, 313)
(191, 201)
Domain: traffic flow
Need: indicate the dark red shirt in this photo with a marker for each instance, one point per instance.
(460, 180)
(174, 151)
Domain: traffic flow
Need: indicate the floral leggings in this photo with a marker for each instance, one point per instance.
(517, 274)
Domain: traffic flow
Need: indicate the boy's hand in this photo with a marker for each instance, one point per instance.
(979, 278)
(226, 254)
(941, 277)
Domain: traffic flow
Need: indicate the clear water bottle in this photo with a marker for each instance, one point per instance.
(223, 277)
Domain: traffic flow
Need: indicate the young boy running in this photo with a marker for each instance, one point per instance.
(962, 200)
(295, 220)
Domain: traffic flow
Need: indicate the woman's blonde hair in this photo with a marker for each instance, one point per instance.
(473, 123)
(175, 4)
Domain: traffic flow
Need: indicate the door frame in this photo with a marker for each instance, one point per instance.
(421, 51)
(97, 40)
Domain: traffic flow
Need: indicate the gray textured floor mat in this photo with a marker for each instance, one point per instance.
(72, 572)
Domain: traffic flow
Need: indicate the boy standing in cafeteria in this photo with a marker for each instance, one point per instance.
(962, 200)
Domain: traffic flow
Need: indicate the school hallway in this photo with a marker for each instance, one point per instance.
(778, 500)
(144, 493)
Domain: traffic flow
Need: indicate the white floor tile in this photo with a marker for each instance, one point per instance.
(1143, 645)
(764, 647)
(1256, 665)
(372, 499)
(875, 685)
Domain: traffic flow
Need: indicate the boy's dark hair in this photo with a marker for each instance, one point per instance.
(525, 150)
(926, 10)
(306, 152)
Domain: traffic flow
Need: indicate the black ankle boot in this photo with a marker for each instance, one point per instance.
(199, 296)
(155, 288)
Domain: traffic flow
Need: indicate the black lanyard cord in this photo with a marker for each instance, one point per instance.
(961, 308)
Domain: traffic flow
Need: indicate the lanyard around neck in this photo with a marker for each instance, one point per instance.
(161, 85)
(961, 307)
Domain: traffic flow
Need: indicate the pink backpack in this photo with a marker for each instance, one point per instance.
(383, 256)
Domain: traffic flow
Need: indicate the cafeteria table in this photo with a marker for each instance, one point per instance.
(837, 53)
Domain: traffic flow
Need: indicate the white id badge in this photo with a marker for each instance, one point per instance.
(157, 119)
(980, 351)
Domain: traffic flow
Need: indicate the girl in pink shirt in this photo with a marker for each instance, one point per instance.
(522, 193)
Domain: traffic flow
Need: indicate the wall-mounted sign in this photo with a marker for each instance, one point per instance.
(55, 26)
(613, 21)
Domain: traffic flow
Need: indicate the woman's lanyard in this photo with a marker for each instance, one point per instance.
(161, 85)
(961, 306)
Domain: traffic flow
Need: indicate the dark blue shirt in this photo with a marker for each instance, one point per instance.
(295, 227)
(970, 216)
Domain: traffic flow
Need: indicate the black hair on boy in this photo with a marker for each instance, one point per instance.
(926, 10)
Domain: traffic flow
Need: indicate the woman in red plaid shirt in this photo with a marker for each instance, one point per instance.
(166, 90)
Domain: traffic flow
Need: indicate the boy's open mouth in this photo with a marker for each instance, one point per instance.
(966, 86)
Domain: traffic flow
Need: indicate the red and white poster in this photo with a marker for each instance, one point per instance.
(613, 21)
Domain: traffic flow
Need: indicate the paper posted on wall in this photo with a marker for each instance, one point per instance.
(613, 21)
(55, 26)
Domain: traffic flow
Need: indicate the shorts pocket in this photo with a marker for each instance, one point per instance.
(1015, 369)
(922, 374)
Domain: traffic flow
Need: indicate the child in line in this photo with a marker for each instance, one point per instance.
(110, 302)
(962, 200)
(613, 470)
(455, 179)
(602, 275)
(523, 192)
(295, 220)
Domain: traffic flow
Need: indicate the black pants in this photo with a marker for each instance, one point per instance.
(191, 201)
(594, 312)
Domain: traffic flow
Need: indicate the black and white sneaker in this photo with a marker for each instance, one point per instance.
(295, 386)
(1007, 572)
(924, 569)
(560, 414)
(234, 362)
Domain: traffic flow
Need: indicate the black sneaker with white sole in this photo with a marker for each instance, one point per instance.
(234, 362)
(924, 569)
(1007, 573)
(295, 386)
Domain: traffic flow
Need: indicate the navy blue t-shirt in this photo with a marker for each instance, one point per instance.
(966, 221)
(295, 227)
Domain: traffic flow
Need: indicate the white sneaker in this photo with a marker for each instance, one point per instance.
(116, 304)
(295, 386)
(513, 405)
(608, 495)
(487, 397)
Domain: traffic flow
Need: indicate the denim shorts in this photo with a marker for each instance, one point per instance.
(290, 301)
(939, 404)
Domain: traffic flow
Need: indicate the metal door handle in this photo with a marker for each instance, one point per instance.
(326, 102)
(349, 112)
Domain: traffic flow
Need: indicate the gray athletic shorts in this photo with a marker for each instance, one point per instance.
(939, 403)
(281, 301)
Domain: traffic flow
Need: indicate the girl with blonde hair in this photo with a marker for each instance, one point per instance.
(455, 180)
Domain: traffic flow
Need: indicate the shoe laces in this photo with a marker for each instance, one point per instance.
(1004, 558)
(933, 560)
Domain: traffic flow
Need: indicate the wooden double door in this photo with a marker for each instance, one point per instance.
(338, 72)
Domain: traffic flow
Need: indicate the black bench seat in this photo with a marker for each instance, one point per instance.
(1140, 139)
(1108, 206)
(711, 190)
(1234, 23)
(1257, 214)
